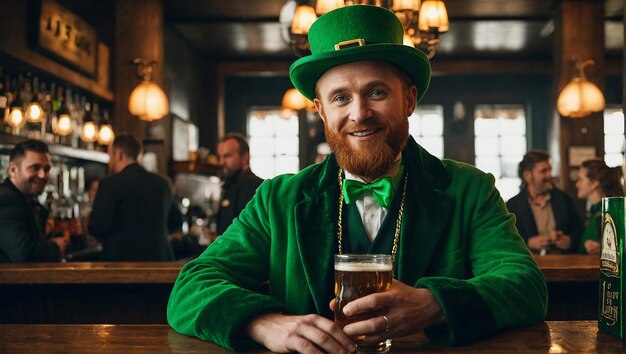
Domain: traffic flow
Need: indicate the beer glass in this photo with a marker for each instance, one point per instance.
(358, 275)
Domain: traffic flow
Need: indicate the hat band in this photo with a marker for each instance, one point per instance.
(359, 42)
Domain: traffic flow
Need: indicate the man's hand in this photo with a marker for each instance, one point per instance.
(562, 241)
(539, 242)
(61, 242)
(407, 309)
(303, 334)
(592, 247)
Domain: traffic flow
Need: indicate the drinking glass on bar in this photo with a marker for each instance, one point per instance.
(358, 275)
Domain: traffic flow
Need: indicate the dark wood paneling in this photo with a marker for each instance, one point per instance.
(139, 34)
(569, 267)
(90, 273)
(86, 292)
(84, 303)
(138, 292)
(190, 10)
(580, 33)
(573, 287)
(235, 40)
(500, 8)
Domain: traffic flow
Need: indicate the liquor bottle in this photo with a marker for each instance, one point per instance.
(57, 103)
(9, 95)
(4, 102)
(72, 103)
(62, 208)
(33, 111)
(46, 107)
(105, 133)
(16, 116)
(26, 88)
(66, 123)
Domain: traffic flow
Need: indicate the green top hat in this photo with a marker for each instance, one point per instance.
(356, 33)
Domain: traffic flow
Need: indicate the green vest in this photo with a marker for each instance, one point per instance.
(355, 238)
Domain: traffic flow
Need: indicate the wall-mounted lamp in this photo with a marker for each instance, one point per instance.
(105, 134)
(580, 97)
(89, 133)
(294, 101)
(147, 101)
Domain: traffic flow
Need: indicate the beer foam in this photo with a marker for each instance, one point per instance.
(363, 267)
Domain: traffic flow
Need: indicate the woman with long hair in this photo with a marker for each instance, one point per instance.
(596, 180)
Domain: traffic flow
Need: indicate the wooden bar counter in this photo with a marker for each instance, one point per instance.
(572, 281)
(544, 337)
(98, 292)
(137, 292)
(90, 273)
(569, 267)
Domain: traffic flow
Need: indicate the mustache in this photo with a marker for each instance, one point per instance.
(355, 127)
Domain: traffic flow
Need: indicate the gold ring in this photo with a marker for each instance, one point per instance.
(386, 323)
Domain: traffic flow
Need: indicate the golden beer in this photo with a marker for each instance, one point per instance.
(358, 275)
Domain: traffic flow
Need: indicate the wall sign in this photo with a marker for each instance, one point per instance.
(67, 36)
(579, 154)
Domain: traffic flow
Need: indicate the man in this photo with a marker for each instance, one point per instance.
(22, 218)
(132, 207)
(547, 217)
(461, 270)
(239, 183)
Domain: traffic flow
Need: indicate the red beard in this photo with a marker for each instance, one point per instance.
(373, 158)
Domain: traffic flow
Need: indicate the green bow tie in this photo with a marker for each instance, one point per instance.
(381, 190)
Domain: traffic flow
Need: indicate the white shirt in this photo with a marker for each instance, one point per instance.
(372, 214)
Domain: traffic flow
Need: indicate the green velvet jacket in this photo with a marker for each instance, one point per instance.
(457, 239)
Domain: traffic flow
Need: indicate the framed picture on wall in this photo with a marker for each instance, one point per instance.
(184, 138)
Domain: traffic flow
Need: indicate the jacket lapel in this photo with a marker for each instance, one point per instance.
(316, 230)
(427, 213)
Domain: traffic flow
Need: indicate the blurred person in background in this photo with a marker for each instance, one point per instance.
(546, 216)
(596, 180)
(22, 217)
(91, 188)
(238, 182)
(131, 211)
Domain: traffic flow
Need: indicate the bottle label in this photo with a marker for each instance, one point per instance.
(610, 305)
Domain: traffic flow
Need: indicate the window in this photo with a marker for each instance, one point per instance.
(613, 136)
(426, 127)
(500, 144)
(274, 143)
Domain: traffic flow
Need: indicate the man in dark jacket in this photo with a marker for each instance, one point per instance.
(132, 208)
(22, 218)
(239, 182)
(546, 216)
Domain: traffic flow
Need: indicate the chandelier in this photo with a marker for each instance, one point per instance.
(423, 20)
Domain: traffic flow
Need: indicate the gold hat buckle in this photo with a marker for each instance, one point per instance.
(359, 42)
